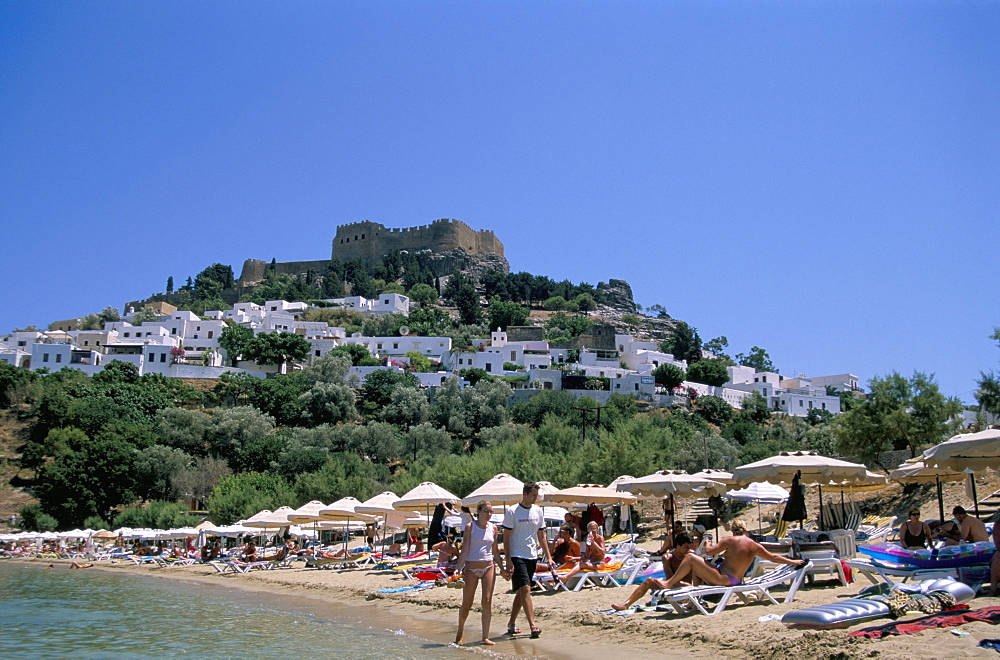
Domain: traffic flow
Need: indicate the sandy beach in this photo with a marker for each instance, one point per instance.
(573, 627)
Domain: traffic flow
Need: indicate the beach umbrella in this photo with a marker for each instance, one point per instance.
(809, 466)
(381, 505)
(916, 471)
(760, 492)
(501, 490)
(271, 519)
(545, 489)
(721, 476)
(345, 509)
(307, 513)
(973, 451)
(591, 494)
(671, 484)
(422, 497)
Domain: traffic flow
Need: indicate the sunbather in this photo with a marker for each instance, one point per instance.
(738, 551)
(948, 533)
(671, 562)
(973, 529)
(995, 561)
(914, 534)
(593, 552)
(565, 551)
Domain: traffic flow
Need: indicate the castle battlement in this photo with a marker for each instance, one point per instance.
(371, 240)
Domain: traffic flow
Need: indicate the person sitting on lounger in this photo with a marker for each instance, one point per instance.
(972, 529)
(249, 552)
(671, 562)
(738, 552)
(447, 553)
(995, 561)
(914, 534)
(565, 551)
(593, 552)
(948, 533)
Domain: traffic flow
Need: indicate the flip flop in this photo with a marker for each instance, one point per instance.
(536, 633)
(513, 630)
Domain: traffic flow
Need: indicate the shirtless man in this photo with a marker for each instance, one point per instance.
(738, 551)
(671, 561)
(995, 561)
(971, 528)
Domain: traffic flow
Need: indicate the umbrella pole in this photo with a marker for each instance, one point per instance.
(975, 498)
(940, 499)
(821, 508)
(759, 524)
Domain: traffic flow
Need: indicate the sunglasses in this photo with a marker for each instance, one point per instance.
(914, 513)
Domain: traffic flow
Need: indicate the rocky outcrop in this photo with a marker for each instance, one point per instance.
(473, 265)
(617, 294)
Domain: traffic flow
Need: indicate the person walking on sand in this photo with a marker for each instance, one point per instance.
(480, 553)
(523, 534)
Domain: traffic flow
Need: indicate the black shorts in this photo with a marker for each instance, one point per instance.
(524, 571)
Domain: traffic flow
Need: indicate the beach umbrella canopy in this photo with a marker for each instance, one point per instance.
(591, 494)
(381, 505)
(307, 513)
(812, 468)
(424, 496)
(721, 476)
(760, 491)
(545, 489)
(972, 451)
(501, 489)
(672, 482)
(270, 519)
(873, 481)
(344, 509)
(916, 471)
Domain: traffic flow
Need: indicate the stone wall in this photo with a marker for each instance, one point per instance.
(371, 240)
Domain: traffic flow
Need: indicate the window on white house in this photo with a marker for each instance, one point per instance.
(163, 357)
(45, 357)
(58, 357)
(489, 366)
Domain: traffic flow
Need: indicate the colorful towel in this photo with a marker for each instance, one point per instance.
(944, 620)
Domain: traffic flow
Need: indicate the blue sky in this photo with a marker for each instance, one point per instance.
(820, 179)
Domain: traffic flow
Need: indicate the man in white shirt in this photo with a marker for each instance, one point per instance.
(523, 535)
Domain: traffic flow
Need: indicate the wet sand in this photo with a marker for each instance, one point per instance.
(573, 628)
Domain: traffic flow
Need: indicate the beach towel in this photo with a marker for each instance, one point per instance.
(945, 620)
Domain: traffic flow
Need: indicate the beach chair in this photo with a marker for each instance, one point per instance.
(878, 570)
(354, 561)
(612, 575)
(691, 599)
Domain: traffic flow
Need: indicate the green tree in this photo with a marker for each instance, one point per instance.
(988, 394)
(242, 495)
(34, 519)
(758, 359)
(379, 386)
(235, 339)
(683, 343)
(210, 282)
(755, 409)
(585, 302)
(709, 372)
(233, 428)
(463, 295)
(898, 413)
(155, 469)
(713, 409)
(669, 375)
(108, 315)
(143, 315)
(718, 347)
(277, 348)
(547, 402)
(170, 284)
(358, 354)
(420, 363)
(423, 294)
(425, 441)
(329, 403)
(407, 407)
(198, 480)
(382, 325)
(88, 480)
(502, 314)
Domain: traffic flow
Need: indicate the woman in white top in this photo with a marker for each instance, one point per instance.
(480, 559)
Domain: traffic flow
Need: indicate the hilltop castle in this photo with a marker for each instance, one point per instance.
(370, 241)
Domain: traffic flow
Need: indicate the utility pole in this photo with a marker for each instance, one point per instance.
(583, 420)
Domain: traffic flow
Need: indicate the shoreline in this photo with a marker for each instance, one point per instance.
(572, 626)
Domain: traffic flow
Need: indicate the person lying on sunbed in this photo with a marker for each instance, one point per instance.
(738, 552)
(671, 562)
(593, 552)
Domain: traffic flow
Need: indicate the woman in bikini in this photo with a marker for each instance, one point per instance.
(480, 560)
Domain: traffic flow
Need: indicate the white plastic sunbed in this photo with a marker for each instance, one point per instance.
(689, 599)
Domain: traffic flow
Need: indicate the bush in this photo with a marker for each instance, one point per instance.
(714, 409)
(668, 375)
(33, 519)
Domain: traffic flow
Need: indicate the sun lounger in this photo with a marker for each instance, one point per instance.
(878, 570)
(689, 599)
(355, 561)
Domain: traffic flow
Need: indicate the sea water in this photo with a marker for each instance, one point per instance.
(59, 613)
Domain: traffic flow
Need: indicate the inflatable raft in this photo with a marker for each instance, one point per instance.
(954, 556)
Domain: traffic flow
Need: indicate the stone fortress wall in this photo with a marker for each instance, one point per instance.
(372, 240)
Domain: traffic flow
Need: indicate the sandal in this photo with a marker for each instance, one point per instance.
(536, 633)
(513, 630)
